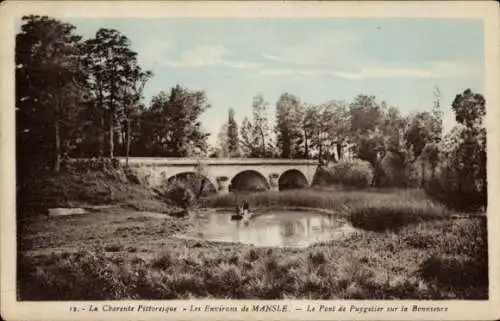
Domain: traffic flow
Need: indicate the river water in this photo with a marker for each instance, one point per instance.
(273, 229)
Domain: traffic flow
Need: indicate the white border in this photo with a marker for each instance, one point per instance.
(457, 310)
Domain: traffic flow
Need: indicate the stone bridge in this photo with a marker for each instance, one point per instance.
(225, 174)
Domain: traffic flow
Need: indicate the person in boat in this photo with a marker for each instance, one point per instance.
(238, 215)
(245, 208)
(241, 212)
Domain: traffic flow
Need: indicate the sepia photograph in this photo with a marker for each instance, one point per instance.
(260, 158)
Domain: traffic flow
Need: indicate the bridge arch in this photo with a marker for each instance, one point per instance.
(195, 182)
(249, 181)
(292, 179)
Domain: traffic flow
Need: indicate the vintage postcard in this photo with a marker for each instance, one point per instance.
(249, 160)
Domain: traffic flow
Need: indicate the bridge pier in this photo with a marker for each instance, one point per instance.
(274, 182)
(223, 185)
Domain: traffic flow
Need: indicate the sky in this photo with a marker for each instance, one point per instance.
(398, 60)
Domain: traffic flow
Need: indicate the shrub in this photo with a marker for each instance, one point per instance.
(180, 196)
(461, 180)
(456, 272)
(447, 189)
(113, 247)
(251, 255)
(317, 258)
(358, 174)
(163, 261)
(322, 176)
(396, 170)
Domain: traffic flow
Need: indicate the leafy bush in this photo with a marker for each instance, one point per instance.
(181, 196)
(113, 247)
(461, 180)
(396, 170)
(455, 272)
(448, 189)
(357, 173)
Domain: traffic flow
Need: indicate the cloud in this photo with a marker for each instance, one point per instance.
(334, 46)
(205, 55)
(157, 53)
(241, 64)
(153, 52)
(432, 70)
(341, 54)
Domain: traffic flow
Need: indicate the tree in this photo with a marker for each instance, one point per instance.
(418, 134)
(396, 162)
(340, 126)
(221, 149)
(328, 125)
(309, 123)
(112, 67)
(260, 122)
(469, 109)
(255, 134)
(249, 142)
(417, 137)
(461, 181)
(431, 152)
(423, 136)
(49, 87)
(365, 114)
(171, 125)
(133, 95)
(288, 125)
(233, 143)
(366, 119)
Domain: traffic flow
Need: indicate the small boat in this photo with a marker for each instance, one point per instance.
(242, 216)
(236, 217)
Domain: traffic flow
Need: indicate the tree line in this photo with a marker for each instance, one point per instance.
(80, 97)
(402, 150)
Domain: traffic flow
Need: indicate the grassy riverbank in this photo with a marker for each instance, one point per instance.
(120, 254)
(81, 188)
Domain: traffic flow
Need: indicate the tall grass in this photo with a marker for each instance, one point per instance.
(291, 198)
(314, 198)
(381, 216)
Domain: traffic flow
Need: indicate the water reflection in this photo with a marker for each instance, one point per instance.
(279, 229)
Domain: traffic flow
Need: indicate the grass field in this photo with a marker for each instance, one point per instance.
(410, 248)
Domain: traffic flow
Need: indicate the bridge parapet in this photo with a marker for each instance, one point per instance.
(221, 172)
(173, 161)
